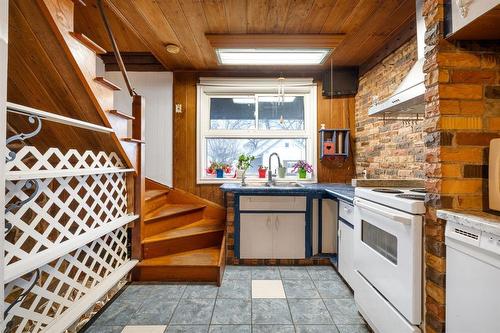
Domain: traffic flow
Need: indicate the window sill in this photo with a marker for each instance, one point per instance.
(205, 181)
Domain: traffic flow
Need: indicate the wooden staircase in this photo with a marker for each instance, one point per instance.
(179, 236)
(183, 238)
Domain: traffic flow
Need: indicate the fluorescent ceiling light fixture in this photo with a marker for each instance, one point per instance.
(265, 56)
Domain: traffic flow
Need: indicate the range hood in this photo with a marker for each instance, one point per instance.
(408, 98)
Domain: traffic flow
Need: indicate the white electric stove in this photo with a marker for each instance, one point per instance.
(388, 257)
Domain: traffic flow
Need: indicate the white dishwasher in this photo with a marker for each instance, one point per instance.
(472, 280)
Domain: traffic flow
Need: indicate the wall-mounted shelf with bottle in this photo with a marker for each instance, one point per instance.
(334, 143)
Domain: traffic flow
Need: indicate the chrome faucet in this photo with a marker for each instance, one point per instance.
(270, 180)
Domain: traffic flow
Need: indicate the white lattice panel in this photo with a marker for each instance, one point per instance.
(28, 158)
(64, 281)
(62, 209)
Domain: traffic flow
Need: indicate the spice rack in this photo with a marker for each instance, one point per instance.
(334, 143)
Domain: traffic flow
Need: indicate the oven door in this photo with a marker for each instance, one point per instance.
(388, 254)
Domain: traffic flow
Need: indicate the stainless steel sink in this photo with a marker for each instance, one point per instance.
(287, 184)
(276, 185)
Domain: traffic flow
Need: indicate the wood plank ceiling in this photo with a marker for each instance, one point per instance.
(149, 25)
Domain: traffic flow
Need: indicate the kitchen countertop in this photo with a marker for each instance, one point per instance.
(340, 190)
(477, 220)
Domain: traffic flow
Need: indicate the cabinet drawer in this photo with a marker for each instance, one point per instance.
(346, 211)
(273, 203)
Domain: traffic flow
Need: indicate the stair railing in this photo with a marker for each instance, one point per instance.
(66, 215)
(138, 127)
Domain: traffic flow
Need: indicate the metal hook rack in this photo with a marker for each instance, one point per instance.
(407, 121)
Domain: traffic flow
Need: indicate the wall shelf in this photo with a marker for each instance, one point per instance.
(334, 143)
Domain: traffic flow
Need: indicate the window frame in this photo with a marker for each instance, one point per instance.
(231, 88)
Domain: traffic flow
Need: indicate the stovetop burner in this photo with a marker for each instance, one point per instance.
(418, 190)
(412, 196)
(387, 190)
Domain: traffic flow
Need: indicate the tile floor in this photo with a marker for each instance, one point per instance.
(251, 299)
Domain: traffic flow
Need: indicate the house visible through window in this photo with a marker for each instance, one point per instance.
(241, 116)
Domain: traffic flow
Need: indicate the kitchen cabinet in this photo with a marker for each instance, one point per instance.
(346, 242)
(272, 235)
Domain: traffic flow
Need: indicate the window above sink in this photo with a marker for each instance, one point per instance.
(248, 116)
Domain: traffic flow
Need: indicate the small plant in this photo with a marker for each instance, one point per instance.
(214, 166)
(245, 161)
(303, 168)
(262, 167)
(302, 165)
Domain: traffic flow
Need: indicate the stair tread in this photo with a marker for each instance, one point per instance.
(102, 80)
(208, 256)
(172, 209)
(82, 38)
(121, 114)
(151, 194)
(196, 228)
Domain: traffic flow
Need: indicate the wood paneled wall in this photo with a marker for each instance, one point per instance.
(334, 113)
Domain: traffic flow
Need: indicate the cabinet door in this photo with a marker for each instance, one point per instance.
(256, 236)
(346, 251)
(289, 236)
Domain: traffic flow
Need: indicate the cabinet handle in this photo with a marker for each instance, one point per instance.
(277, 223)
(268, 221)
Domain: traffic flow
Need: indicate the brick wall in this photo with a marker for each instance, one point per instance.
(462, 116)
(391, 149)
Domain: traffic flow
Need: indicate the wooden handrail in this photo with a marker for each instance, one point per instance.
(116, 51)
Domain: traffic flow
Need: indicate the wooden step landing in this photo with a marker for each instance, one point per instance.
(201, 234)
(88, 42)
(102, 80)
(197, 228)
(172, 210)
(201, 265)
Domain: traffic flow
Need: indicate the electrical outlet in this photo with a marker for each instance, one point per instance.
(178, 108)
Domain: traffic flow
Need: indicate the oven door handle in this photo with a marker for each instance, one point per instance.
(395, 217)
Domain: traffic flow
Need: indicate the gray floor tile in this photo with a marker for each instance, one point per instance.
(333, 289)
(294, 273)
(235, 289)
(353, 329)
(238, 273)
(232, 311)
(300, 289)
(309, 312)
(193, 312)
(136, 291)
(168, 290)
(273, 329)
(104, 329)
(156, 310)
(266, 273)
(270, 311)
(187, 329)
(230, 329)
(323, 273)
(118, 313)
(200, 291)
(316, 329)
(344, 311)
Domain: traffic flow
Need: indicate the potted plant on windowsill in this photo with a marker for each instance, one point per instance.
(244, 162)
(302, 168)
(262, 171)
(219, 168)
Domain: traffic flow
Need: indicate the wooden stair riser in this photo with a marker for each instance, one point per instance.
(171, 222)
(178, 273)
(120, 125)
(156, 202)
(182, 244)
